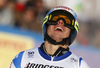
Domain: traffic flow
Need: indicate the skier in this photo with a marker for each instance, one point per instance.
(60, 28)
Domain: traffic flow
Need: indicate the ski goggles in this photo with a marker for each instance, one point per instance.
(53, 20)
(67, 18)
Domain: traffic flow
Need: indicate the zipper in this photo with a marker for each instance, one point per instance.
(52, 58)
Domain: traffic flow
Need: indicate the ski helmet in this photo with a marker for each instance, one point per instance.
(60, 12)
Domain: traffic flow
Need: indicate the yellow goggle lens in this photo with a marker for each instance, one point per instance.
(67, 20)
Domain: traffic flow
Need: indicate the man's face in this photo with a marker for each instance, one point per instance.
(59, 31)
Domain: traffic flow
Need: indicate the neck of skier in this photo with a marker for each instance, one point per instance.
(51, 49)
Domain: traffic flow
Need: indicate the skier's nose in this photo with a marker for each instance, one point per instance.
(60, 22)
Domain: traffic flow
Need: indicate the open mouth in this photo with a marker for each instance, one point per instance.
(59, 29)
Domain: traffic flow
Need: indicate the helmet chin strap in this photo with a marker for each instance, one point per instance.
(60, 51)
(64, 41)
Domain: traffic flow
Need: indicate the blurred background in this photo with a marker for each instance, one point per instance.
(21, 27)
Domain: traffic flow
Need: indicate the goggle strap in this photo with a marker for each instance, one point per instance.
(51, 23)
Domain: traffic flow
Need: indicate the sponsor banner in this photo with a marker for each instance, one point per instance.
(11, 45)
